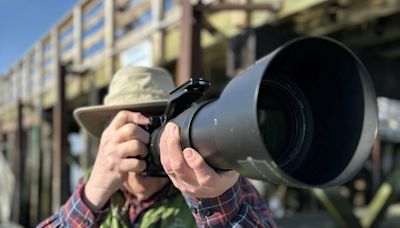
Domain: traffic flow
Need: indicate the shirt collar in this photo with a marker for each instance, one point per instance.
(163, 193)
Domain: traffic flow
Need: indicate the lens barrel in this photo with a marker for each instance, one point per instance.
(304, 115)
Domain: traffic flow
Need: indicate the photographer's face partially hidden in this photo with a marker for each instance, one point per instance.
(142, 187)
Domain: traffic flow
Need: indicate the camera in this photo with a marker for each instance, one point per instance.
(305, 116)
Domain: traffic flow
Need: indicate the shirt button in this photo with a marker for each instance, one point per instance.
(193, 209)
(86, 222)
(205, 212)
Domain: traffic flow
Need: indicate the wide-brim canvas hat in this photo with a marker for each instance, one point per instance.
(141, 89)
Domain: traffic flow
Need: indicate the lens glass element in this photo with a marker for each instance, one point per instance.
(284, 118)
(272, 118)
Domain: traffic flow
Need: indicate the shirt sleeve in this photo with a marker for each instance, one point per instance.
(239, 206)
(75, 213)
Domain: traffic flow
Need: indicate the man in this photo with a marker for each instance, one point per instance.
(117, 194)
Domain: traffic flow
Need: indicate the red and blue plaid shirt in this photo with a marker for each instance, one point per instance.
(239, 206)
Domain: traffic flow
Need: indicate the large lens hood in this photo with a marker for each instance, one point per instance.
(339, 93)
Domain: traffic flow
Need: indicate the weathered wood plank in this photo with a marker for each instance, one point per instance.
(130, 15)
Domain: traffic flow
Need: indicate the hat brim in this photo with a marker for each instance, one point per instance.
(94, 118)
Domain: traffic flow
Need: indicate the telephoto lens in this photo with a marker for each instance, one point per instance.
(304, 115)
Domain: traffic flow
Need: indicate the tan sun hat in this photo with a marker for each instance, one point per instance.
(142, 89)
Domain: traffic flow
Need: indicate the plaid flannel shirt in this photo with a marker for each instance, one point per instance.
(239, 206)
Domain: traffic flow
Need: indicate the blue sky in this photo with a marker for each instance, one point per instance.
(23, 23)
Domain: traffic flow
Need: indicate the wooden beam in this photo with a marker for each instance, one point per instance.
(66, 41)
(37, 191)
(232, 6)
(18, 209)
(158, 35)
(366, 39)
(109, 30)
(131, 14)
(47, 55)
(89, 4)
(122, 2)
(77, 21)
(35, 172)
(93, 20)
(66, 24)
(133, 37)
(185, 57)
(95, 61)
(348, 17)
(93, 39)
(57, 159)
(67, 56)
(25, 77)
(388, 193)
(290, 7)
(37, 68)
(338, 208)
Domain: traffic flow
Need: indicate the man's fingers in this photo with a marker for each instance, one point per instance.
(132, 148)
(176, 162)
(123, 117)
(132, 165)
(132, 131)
(204, 173)
(164, 154)
(173, 144)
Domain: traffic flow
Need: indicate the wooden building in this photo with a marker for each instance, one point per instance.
(97, 37)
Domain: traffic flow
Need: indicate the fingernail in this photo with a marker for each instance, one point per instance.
(171, 128)
(168, 128)
(188, 154)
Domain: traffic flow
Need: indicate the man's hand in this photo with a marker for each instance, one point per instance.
(187, 169)
(122, 143)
